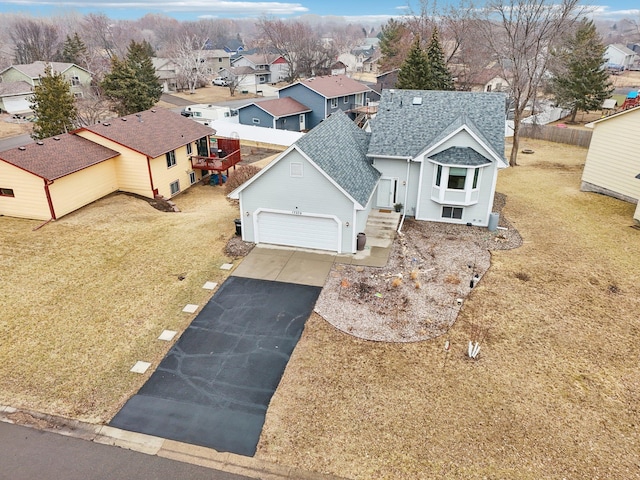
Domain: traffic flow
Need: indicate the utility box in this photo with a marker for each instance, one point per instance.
(362, 240)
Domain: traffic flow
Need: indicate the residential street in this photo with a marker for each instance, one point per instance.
(28, 453)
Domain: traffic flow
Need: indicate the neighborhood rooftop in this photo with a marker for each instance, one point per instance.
(282, 107)
(152, 132)
(332, 86)
(339, 148)
(58, 156)
(36, 69)
(410, 120)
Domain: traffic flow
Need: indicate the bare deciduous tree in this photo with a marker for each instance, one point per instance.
(520, 33)
(189, 57)
(34, 40)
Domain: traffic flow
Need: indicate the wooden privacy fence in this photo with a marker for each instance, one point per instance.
(550, 133)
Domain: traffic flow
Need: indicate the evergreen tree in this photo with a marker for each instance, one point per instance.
(74, 51)
(391, 45)
(53, 105)
(580, 81)
(438, 77)
(414, 71)
(133, 84)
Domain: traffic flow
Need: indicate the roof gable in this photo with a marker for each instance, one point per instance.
(339, 147)
(344, 164)
(57, 156)
(404, 128)
(152, 132)
(632, 111)
(36, 69)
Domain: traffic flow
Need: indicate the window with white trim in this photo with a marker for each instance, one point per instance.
(345, 100)
(189, 148)
(438, 175)
(457, 178)
(334, 103)
(256, 121)
(452, 212)
(75, 80)
(295, 169)
(192, 177)
(175, 187)
(171, 159)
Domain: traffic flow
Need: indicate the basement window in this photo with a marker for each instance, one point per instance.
(175, 187)
(6, 192)
(452, 212)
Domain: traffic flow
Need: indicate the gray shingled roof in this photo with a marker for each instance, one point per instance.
(460, 156)
(402, 129)
(339, 148)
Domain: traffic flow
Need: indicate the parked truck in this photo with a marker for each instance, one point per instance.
(206, 113)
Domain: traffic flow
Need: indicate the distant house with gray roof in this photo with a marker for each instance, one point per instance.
(436, 153)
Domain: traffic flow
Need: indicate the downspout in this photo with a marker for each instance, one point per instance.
(406, 196)
(153, 191)
(48, 195)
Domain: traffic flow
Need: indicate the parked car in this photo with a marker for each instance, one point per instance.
(221, 82)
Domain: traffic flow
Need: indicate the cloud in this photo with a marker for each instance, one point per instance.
(605, 12)
(225, 7)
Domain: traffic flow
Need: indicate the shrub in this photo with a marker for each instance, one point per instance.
(239, 176)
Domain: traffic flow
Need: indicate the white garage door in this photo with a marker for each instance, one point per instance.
(320, 233)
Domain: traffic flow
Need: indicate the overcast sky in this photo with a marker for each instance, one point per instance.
(195, 9)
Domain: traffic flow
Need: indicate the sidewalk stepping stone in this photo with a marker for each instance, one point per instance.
(167, 335)
(140, 367)
(226, 266)
(190, 308)
(210, 285)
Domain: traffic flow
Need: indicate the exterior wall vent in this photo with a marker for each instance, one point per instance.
(417, 101)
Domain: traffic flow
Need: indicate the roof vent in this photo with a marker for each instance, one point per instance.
(153, 111)
(123, 119)
(56, 138)
(417, 101)
(106, 124)
(40, 142)
(22, 149)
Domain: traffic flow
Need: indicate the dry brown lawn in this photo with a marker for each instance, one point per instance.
(555, 392)
(85, 297)
(212, 94)
(10, 128)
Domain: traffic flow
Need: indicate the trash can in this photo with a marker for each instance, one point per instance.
(493, 221)
(238, 223)
(362, 240)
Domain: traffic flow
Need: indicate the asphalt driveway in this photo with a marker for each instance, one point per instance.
(214, 386)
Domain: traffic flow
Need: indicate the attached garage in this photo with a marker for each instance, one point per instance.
(320, 232)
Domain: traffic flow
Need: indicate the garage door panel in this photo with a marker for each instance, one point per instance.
(298, 231)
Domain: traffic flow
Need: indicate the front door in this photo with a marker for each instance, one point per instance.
(386, 192)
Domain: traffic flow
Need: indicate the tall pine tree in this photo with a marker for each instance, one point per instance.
(580, 81)
(133, 84)
(415, 69)
(74, 51)
(438, 76)
(53, 105)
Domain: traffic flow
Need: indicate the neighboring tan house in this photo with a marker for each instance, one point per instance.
(167, 72)
(613, 162)
(268, 67)
(361, 59)
(280, 113)
(78, 77)
(148, 153)
(436, 153)
(619, 55)
(216, 60)
(326, 95)
(14, 97)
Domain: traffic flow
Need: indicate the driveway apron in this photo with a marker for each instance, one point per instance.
(214, 386)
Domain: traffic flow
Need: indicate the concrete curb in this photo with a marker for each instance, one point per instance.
(150, 445)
